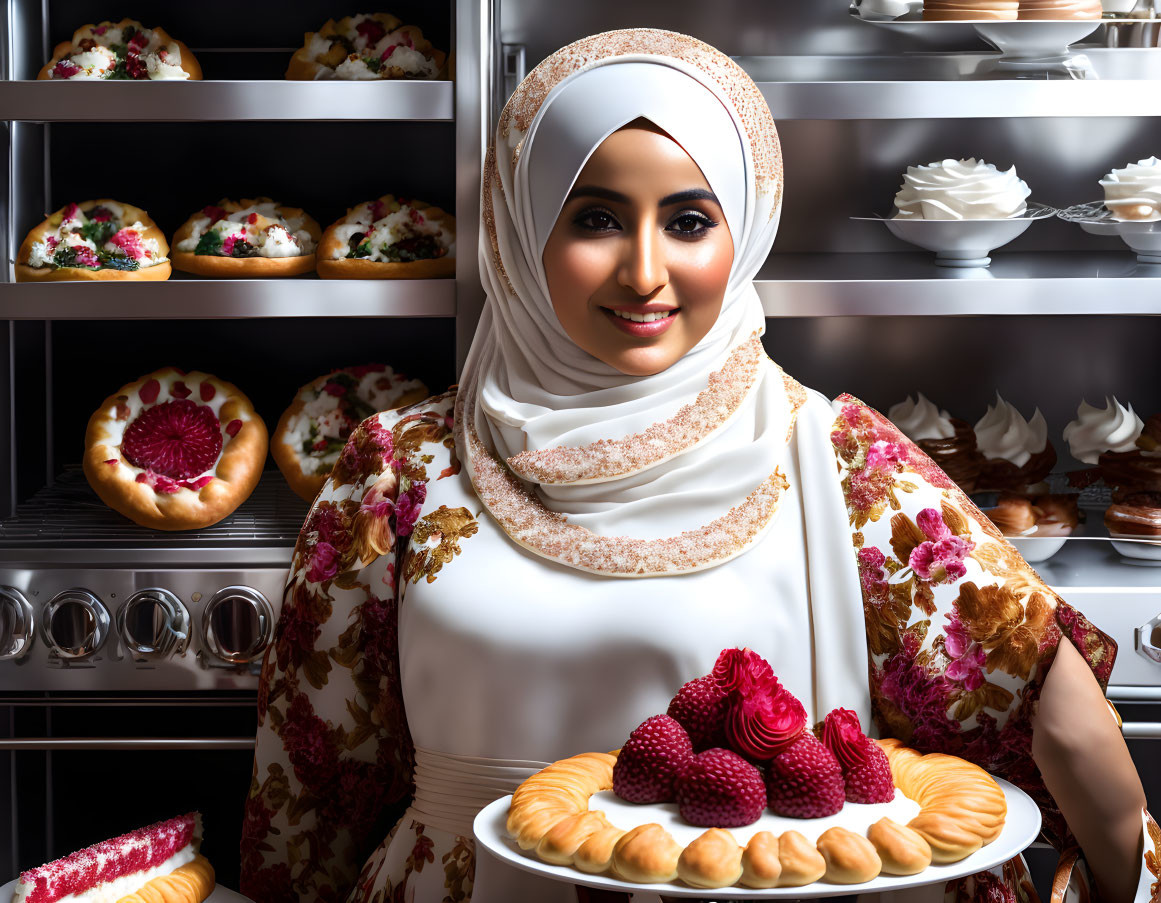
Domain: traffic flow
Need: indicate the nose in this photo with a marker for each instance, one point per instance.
(643, 266)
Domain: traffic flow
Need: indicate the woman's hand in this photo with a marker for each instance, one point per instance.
(1086, 766)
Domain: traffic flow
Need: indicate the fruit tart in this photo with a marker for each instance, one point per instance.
(121, 50)
(774, 805)
(160, 862)
(365, 47)
(253, 237)
(94, 240)
(314, 429)
(175, 450)
(389, 238)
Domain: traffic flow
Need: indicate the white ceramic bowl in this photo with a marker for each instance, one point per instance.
(1137, 548)
(1118, 7)
(1034, 39)
(1036, 549)
(963, 242)
(1144, 239)
(888, 10)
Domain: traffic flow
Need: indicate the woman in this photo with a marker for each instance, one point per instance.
(454, 617)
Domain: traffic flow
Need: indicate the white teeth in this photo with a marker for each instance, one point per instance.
(643, 318)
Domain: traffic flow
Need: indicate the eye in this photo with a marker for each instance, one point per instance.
(691, 223)
(596, 219)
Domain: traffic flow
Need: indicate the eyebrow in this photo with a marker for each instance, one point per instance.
(607, 194)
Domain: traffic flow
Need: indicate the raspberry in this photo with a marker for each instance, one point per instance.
(719, 789)
(371, 30)
(232, 427)
(178, 439)
(65, 69)
(871, 782)
(805, 781)
(650, 761)
(207, 391)
(148, 393)
(700, 706)
(179, 390)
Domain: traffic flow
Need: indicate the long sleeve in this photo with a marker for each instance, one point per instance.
(333, 760)
(961, 632)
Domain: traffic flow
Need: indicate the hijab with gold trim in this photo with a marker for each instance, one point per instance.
(579, 463)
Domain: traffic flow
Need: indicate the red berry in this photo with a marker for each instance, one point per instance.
(206, 390)
(179, 390)
(700, 706)
(719, 789)
(871, 782)
(177, 439)
(650, 761)
(805, 781)
(148, 393)
(232, 427)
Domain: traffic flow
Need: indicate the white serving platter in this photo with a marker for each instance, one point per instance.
(220, 895)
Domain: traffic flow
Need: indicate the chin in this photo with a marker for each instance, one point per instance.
(642, 361)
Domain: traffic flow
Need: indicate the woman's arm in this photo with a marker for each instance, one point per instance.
(1075, 738)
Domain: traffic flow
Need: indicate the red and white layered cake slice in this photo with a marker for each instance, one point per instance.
(164, 856)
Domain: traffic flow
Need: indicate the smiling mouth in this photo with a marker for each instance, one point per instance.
(643, 317)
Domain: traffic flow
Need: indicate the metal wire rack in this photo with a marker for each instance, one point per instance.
(69, 514)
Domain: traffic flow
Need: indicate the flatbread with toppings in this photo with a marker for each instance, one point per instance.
(94, 240)
(124, 50)
(253, 237)
(364, 48)
(389, 238)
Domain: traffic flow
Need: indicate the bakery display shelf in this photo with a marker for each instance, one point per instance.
(67, 523)
(909, 284)
(1121, 82)
(197, 101)
(183, 298)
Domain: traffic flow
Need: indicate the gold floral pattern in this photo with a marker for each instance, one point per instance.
(435, 541)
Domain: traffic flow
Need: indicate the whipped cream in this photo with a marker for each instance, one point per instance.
(961, 189)
(1134, 193)
(1003, 433)
(1113, 428)
(921, 419)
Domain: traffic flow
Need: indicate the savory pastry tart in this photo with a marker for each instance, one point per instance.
(389, 239)
(155, 863)
(253, 237)
(314, 429)
(101, 239)
(364, 47)
(175, 450)
(121, 50)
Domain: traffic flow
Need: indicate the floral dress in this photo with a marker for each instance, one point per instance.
(960, 633)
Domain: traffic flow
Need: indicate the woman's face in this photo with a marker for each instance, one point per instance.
(639, 234)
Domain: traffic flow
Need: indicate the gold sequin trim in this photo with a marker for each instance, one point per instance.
(608, 459)
(549, 534)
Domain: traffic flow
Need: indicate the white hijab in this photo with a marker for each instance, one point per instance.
(641, 458)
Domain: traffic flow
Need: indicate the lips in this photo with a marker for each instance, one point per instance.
(649, 323)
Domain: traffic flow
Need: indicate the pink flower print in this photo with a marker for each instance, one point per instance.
(967, 657)
(940, 558)
(324, 563)
(884, 455)
(870, 563)
(408, 507)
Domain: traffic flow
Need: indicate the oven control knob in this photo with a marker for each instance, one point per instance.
(153, 624)
(75, 623)
(17, 624)
(237, 624)
(1148, 637)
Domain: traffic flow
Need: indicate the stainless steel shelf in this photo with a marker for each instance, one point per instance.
(197, 299)
(48, 101)
(906, 284)
(953, 86)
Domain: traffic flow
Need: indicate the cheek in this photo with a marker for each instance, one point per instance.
(575, 270)
(704, 272)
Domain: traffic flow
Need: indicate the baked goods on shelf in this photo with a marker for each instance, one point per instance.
(1061, 9)
(175, 450)
(155, 863)
(94, 240)
(121, 50)
(961, 189)
(1017, 453)
(366, 47)
(1133, 194)
(1017, 514)
(313, 431)
(253, 237)
(838, 807)
(1136, 514)
(948, 441)
(1097, 431)
(389, 238)
(970, 9)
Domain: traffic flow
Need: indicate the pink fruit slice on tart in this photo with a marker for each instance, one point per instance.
(175, 450)
(163, 857)
(732, 786)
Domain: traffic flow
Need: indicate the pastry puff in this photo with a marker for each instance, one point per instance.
(333, 262)
(961, 809)
(67, 48)
(303, 67)
(189, 883)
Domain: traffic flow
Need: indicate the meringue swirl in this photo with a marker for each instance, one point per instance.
(1113, 428)
(1134, 193)
(961, 189)
(921, 419)
(1003, 433)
